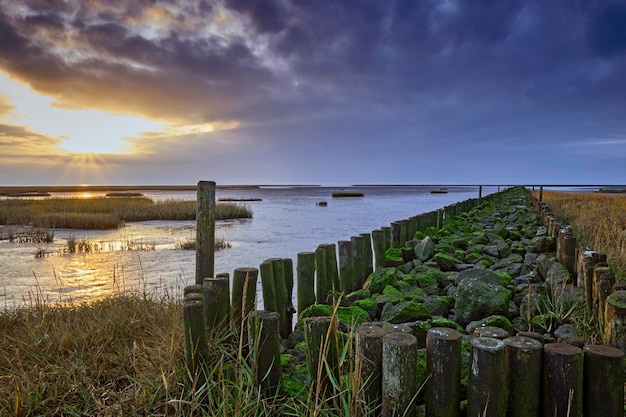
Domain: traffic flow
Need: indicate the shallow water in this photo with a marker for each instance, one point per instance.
(142, 256)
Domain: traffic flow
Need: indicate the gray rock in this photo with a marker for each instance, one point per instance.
(544, 262)
(491, 250)
(565, 331)
(404, 312)
(424, 249)
(476, 299)
(485, 275)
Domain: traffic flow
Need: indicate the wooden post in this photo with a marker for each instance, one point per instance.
(268, 286)
(320, 335)
(600, 274)
(387, 233)
(205, 231)
(368, 258)
(264, 338)
(288, 268)
(603, 385)
(193, 288)
(305, 275)
(216, 303)
(541, 193)
(369, 351)
(280, 284)
(443, 364)
(332, 272)
(346, 273)
(395, 235)
(615, 320)
(562, 380)
(490, 331)
(196, 344)
(379, 247)
(244, 295)
(569, 253)
(488, 378)
(399, 377)
(524, 358)
(321, 279)
(358, 262)
(480, 192)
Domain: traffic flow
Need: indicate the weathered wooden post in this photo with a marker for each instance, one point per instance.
(369, 352)
(193, 288)
(320, 335)
(395, 235)
(615, 320)
(264, 339)
(562, 380)
(399, 377)
(321, 278)
(305, 275)
(358, 262)
(480, 193)
(205, 231)
(387, 233)
(603, 280)
(368, 257)
(491, 331)
(280, 284)
(268, 286)
(216, 303)
(443, 364)
(524, 358)
(379, 247)
(244, 295)
(488, 379)
(196, 343)
(603, 384)
(346, 272)
(288, 268)
(541, 193)
(569, 253)
(332, 272)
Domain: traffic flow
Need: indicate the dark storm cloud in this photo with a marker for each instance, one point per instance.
(456, 72)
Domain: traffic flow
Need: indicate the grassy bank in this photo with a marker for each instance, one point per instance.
(121, 356)
(105, 213)
(599, 222)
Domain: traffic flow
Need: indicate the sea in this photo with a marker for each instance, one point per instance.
(145, 256)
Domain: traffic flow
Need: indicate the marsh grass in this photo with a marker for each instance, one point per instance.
(105, 213)
(598, 220)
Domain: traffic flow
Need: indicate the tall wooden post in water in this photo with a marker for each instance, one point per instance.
(205, 231)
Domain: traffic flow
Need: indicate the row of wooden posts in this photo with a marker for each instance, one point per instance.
(515, 374)
(604, 297)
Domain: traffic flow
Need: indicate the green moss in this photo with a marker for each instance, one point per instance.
(349, 316)
(390, 289)
(293, 387)
(438, 321)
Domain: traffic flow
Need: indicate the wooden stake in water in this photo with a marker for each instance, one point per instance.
(346, 273)
(379, 247)
(321, 278)
(291, 310)
(278, 268)
(244, 294)
(205, 231)
(268, 286)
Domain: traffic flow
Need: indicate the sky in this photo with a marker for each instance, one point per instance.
(329, 92)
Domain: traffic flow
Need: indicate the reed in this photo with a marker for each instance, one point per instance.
(105, 213)
(599, 222)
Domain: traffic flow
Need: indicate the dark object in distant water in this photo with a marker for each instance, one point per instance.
(612, 191)
(32, 194)
(322, 203)
(348, 194)
(124, 194)
(240, 199)
(439, 191)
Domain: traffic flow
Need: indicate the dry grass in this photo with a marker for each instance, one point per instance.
(105, 213)
(599, 222)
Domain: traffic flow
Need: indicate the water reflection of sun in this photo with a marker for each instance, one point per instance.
(86, 195)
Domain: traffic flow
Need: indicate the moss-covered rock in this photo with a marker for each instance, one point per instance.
(393, 257)
(477, 299)
(403, 312)
(351, 317)
(379, 279)
(446, 262)
(424, 249)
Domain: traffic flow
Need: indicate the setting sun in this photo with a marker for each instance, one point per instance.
(86, 195)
